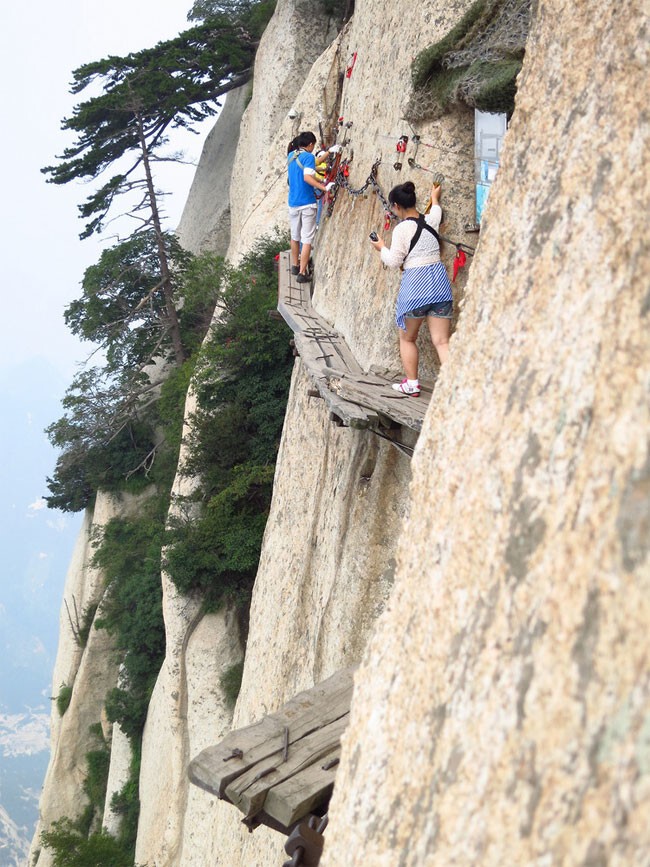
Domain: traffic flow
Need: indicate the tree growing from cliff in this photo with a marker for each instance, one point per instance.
(122, 130)
(111, 430)
(136, 305)
(257, 12)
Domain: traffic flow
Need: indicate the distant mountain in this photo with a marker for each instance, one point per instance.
(14, 842)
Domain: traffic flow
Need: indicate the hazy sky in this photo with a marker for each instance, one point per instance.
(43, 260)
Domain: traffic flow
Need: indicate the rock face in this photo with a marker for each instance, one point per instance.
(205, 222)
(187, 712)
(293, 41)
(501, 714)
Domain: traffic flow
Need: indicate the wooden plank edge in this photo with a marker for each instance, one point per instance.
(248, 792)
(269, 734)
(281, 802)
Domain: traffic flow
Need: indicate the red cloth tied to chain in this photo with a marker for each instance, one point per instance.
(459, 262)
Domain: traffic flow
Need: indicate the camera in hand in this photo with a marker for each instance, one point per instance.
(374, 236)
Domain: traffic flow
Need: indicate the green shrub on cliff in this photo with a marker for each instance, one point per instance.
(476, 63)
(110, 434)
(131, 611)
(241, 382)
(63, 698)
(72, 848)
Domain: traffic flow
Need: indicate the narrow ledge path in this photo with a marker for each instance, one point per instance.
(356, 398)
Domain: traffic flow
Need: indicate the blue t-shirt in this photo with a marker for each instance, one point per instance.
(300, 192)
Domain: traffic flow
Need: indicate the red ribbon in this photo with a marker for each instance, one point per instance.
(459, 262)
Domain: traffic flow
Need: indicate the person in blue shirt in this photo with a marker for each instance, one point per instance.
(303, 206)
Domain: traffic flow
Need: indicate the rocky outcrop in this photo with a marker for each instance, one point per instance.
(500, 713)
(90, 668)
(292, 43)
(118, 775)
(205, 221)
(187, 712)
(340, 496)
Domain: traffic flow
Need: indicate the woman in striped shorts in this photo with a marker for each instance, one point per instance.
(425, 290)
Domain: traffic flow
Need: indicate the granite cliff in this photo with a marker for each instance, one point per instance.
(495, 588)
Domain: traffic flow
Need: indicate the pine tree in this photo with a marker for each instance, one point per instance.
(175, 84)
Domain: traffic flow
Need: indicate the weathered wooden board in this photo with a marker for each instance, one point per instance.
(301, 794)
(320, 347)
(407, 411)
(387, 374)
(358, 399)
(248, 791)
(215, 767)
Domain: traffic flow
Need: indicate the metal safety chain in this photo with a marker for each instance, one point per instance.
(305, 844)
(342, 181)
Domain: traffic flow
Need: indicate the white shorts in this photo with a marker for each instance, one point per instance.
(303, 223)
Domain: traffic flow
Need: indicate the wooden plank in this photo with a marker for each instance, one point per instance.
(405, 410)
(248, 791)
(299, 795)
(215, 767)
(319, 346)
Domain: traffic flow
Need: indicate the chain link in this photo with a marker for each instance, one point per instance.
(318, 825)
(342, 182)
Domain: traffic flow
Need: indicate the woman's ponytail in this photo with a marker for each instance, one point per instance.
(302, 140)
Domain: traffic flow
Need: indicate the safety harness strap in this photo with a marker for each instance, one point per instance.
(421, 224)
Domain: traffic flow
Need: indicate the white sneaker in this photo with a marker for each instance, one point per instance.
(404, 388)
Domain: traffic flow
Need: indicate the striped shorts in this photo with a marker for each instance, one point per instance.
(421, 286)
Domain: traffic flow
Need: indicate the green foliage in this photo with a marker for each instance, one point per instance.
(230, 682)
(241, 381)
(498, 85)
(72, 842)
(71, 848)
(122, 308)
(63, 698)
(129, 554)
(110, 435)
(84, 822)
(169, 413)
(85, 625)
(198, 285)
(429, 61)
(218, 553)
(104, 437)
(255, 15)
(97, 764)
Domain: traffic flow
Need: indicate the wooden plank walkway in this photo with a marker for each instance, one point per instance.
(360, 399)
(281, 769)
